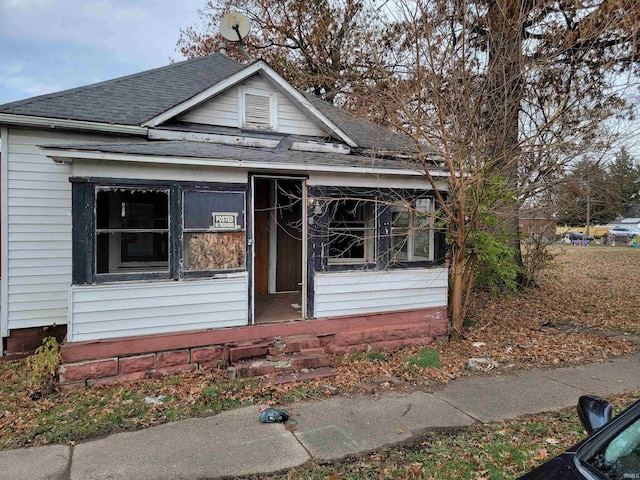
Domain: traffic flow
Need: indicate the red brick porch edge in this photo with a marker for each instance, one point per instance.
(134, 357)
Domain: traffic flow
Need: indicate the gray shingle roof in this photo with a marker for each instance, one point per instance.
(207, 150)
(366, 134)
(133, 99)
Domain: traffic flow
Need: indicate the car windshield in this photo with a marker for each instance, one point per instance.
(620, 458)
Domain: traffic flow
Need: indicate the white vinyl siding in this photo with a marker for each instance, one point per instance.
(353, 293)
(223, 111)
(39, 228)
(125, 310)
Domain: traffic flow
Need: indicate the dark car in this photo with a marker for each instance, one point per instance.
(612, 450)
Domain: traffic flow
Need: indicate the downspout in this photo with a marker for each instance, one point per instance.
(4, 243)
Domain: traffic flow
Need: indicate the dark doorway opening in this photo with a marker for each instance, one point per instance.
(278, 232)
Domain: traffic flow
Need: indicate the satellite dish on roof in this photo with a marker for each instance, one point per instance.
(234, 26)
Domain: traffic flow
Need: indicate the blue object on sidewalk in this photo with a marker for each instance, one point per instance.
(273, 415)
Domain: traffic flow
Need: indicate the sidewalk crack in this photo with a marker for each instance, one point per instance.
(66, 474)
(477, 420)
(302, 444)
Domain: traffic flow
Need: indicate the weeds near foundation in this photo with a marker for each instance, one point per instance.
(426, 358)
(42, 369)
(376, 356)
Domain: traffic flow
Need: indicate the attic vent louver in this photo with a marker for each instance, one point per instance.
(258, 110)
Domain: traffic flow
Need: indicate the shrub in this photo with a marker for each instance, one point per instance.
(42, 368)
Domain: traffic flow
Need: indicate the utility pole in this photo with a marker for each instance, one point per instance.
(588, 208)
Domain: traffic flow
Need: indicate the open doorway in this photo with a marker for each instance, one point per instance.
(278, 249)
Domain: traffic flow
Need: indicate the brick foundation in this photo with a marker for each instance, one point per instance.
(96, 362)
(24, 341)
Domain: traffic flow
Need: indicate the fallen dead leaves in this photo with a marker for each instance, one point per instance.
(560, 323)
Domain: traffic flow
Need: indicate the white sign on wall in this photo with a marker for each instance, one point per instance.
(225, 221)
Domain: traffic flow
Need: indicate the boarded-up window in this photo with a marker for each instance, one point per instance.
(214, 231)
(214, 251)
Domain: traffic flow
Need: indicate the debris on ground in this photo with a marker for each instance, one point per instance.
(274, 415)
(483, 364)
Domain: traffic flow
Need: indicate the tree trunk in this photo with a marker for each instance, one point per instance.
(504, 78)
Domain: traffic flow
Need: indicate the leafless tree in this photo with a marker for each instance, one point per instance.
(503, 93)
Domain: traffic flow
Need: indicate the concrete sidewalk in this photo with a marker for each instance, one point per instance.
(236, 443)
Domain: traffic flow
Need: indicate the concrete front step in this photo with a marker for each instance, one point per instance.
(276, 346)
(242, 350)
(316, 374)
(294, 344)
(306, 344)
(279, 364)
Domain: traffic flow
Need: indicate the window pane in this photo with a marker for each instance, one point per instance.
(202, 208)
(400, 223)
(351, 231)
(421, 244)
(422, 230)
(347, 244)
(620, 458)
(214, 251)
(132, 230)
(399, 244)
(132, 209)
(400, 218)
(122, 252)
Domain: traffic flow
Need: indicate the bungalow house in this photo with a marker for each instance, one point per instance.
(162, 220)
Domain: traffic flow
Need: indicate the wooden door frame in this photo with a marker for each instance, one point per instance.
(273, 241)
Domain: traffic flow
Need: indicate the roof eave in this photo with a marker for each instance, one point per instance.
(34, 121)
(61, 155)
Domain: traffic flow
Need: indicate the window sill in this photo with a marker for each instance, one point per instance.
(111, 279)
(343, 267)
(130, 277)
(215, 274)
(414, 264)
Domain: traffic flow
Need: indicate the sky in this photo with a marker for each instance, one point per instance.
(52, 45)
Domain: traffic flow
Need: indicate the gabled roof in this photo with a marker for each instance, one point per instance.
(133, 99)
(154, 96)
